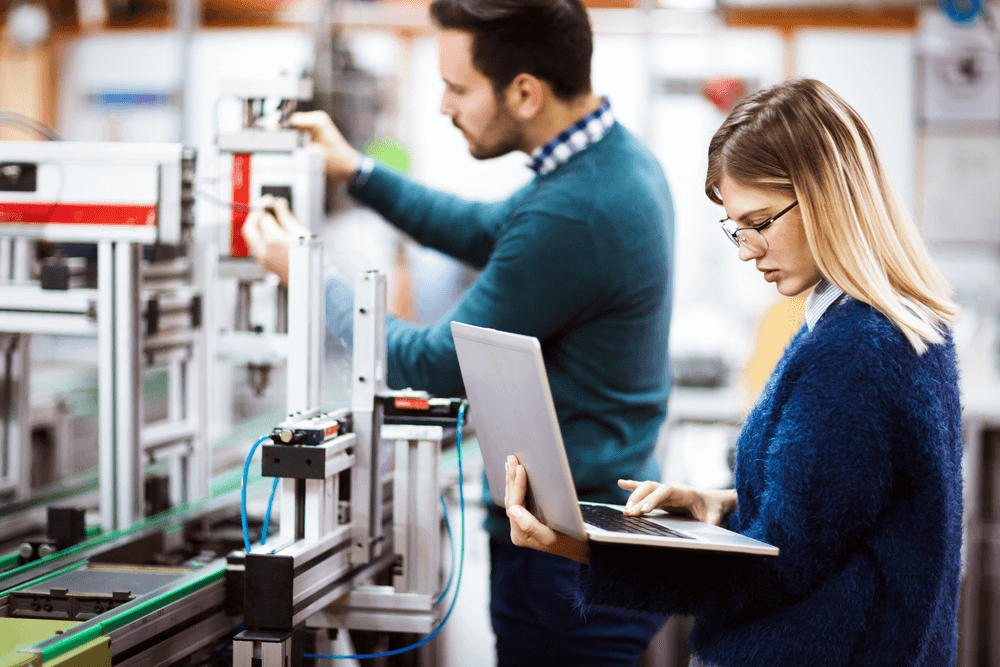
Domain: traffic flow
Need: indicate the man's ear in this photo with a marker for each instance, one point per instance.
(526, 96)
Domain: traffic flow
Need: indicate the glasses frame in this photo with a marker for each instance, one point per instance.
(735, 236)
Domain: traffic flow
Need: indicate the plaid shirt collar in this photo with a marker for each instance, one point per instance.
(585, 132)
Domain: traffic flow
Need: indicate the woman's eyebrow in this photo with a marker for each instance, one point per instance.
(746, 215)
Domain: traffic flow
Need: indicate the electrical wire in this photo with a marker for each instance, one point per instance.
(233, 205)
(13, 118)
(458, 584)
(267, 514)
(451, 542)
(243, 493)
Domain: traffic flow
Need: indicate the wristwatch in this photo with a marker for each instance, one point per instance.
(364, 171)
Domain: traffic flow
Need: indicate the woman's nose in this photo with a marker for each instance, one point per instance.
(747, 253)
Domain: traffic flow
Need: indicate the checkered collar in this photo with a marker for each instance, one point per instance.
(583, 133)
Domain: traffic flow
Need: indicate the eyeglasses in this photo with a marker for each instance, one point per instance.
(751, 237)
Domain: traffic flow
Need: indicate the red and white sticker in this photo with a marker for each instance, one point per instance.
(408, 403)
(129, 215)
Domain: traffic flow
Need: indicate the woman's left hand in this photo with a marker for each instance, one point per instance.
(525, 529)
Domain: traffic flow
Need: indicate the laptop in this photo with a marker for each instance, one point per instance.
(512, 406)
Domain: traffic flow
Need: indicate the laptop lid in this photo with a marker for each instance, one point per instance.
(508, 391)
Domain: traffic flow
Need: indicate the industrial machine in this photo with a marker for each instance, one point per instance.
(134, 286)
(358, 547)
(180, 569)
(262, 157)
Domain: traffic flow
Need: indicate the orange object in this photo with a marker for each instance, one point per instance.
(405, 403)
(724, 92)
(772, 333)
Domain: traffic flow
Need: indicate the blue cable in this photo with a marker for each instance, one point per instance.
(451, 542)
(458, 584)
(243, 494)
(267, 514)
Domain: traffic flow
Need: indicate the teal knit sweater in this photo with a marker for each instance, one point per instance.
(579, 258)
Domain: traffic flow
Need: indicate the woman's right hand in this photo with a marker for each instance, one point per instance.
(711, 506)
(525, 529)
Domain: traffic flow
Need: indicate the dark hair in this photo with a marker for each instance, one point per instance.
(549, 39)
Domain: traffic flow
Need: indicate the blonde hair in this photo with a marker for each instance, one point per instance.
(800, 138)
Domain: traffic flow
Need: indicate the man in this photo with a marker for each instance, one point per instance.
(579, 258)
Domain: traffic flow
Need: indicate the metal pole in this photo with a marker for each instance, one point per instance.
(127, 384)
(187, 17)
(106, 382)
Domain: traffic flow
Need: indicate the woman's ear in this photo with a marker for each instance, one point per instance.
(525, 96)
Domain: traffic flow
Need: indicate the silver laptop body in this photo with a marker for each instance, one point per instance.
(512, 408)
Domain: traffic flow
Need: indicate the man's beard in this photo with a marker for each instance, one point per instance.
(502, 136)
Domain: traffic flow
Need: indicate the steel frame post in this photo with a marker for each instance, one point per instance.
(119, 402)
(416, 511)
(16, 438)
(199, 398)
(21, 259)
(106, 384)
(303, 509)
(368, 384)
(6, 257)
(128, 393)
(306, 326)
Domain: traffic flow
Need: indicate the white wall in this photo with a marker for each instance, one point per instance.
(874, 72)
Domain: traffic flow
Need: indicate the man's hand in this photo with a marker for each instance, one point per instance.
(712, 506)
(525, 529)
(270, 229)
(341, 158)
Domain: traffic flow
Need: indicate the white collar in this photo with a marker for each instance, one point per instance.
(824, 295)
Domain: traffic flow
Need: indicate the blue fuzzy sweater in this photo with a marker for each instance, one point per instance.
(850, 463)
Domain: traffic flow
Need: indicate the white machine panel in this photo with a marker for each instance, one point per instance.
(89, 191)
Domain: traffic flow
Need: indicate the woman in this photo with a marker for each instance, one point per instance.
(850, 462)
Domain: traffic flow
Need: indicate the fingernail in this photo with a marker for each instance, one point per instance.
(515, 512)
(628, 504)
(645, 507)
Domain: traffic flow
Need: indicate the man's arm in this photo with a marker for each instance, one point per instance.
(460, 228)
(543, 274)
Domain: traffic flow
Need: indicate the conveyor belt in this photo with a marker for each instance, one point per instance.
(228, 456)
(190, 604)
(87, 592)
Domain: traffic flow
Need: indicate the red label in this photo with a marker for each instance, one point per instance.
(413, 403)
(241, 204)
(78, 214)
(332, 431)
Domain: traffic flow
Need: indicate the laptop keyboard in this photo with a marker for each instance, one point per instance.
(609, 518)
